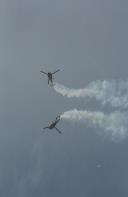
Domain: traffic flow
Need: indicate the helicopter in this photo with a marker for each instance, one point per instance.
(53, 125)
(50, 76)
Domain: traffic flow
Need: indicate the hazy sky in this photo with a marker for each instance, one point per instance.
(88, 40)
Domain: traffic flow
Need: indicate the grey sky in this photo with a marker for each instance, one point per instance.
(88, 40)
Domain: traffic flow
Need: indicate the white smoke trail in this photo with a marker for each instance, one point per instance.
(114, 93)
(114, 124)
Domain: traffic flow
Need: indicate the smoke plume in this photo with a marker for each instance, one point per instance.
(113, 93)
(114, 124)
